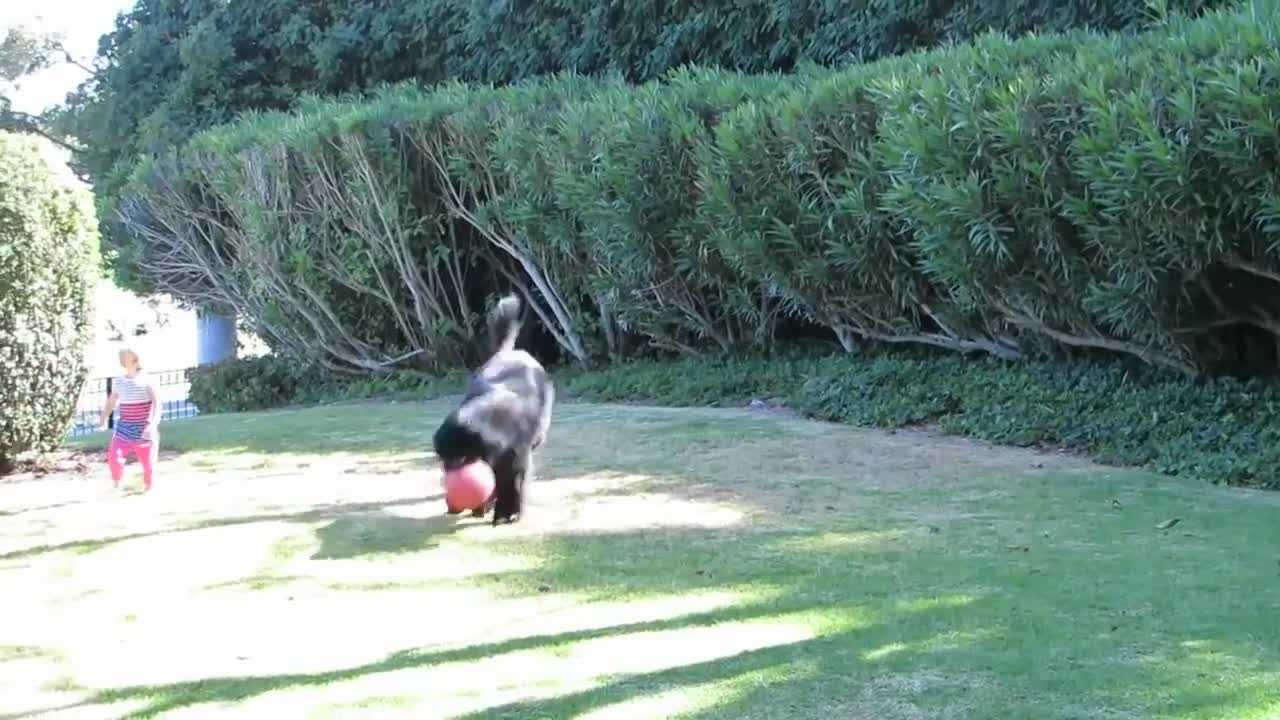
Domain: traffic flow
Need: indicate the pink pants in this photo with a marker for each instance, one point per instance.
(145, 450)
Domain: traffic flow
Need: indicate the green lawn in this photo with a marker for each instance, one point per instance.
(674, 564)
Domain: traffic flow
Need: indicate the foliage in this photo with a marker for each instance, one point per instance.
(174, 67)
(320, 232)
(1007, 198)
(1225, 431)
(246, 384)
(357, 234)
(24, 52)
(624, 171)
(265, 382)
(1092, 192)
(48, 268)
(1076, 195)
(408, 385)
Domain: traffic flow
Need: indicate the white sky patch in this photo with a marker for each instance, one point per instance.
(81, 23)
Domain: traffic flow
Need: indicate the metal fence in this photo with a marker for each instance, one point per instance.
(171, 385)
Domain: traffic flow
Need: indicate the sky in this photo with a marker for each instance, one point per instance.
(172, 342)
(81, 23)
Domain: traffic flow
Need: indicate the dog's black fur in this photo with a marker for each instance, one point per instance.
(503, 418)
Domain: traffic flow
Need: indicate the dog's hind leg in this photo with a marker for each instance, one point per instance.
(522, 478)
(504, 491)
(509, 496)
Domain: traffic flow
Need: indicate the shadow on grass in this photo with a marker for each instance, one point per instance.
(314, 514)
(900, 626)
(166, 698)
(41, 508)
(377, 533)
(565, 575)
(255, 583)
(1029, 603)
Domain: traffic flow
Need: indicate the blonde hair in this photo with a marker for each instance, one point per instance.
(128, 350)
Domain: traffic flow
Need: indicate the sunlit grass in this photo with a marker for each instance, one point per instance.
(683, 564)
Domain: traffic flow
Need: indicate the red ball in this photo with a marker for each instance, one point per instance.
(468, 487)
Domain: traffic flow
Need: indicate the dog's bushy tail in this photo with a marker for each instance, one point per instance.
(504, 326)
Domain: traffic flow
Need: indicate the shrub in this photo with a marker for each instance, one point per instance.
(316, 229)
(1069, 195)
(1068, 201)
(272, 381)
(1224, 431)
(366, 236)
(48, 269)
(625, 171)
(167, 70)
(403, 385)
(794, 195)
(246, 384)
(1064, 194)
(1117, 195)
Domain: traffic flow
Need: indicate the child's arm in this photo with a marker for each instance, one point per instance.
(112, 399)
(154, 416)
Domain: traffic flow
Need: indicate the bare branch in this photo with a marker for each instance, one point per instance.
(1025, 319)
(1237, 262)
(25, 122)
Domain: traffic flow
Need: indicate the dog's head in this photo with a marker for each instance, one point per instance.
(456, 444)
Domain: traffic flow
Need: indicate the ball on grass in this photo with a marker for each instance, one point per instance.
(468, 487)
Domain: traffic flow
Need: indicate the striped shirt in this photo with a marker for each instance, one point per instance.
(135, 407)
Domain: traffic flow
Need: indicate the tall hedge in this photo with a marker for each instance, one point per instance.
(1060, 195)
(173, 67)
(48, 268)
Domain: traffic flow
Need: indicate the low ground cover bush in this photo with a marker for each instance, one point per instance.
(269, 381)
(247, 384)
(1223, 431)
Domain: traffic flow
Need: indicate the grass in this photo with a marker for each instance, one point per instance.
(675, 563)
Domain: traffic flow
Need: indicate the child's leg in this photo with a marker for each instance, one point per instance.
(147, 451)
(115, 459)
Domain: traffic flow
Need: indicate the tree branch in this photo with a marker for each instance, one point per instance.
(1155, 357)
(70, 60)
(1232, 260)
(25, 122)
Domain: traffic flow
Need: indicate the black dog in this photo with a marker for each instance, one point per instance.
(503, 417)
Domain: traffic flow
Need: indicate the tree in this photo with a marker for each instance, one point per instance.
(24, 52)
(48, 268)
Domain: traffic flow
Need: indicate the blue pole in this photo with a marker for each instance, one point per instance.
(216, 337)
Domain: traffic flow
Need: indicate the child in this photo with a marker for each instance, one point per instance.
(136, 430)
